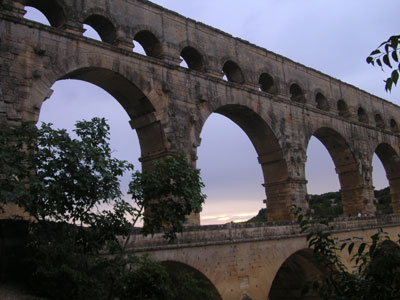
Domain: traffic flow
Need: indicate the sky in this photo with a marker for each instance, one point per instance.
(332, 36)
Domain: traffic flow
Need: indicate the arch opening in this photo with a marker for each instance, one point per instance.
(343, 109)
(321, 101)
(362, 115)
(351, 187)
(103, 26)
(194, 60)
(90, 32)
(267, 83)
(380, 123)
(393, 125)
(233, 72)
(74, 100)
(382, 198)
(270, 156)
(298, 269)
(391, 163)
(51, 9)
(151, 45)
(36, 15)
(296, 93)
(177, 272)
(232, 196)
(138, 107)
(323, 186)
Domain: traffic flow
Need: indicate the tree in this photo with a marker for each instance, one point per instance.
(376, 270)
(70, 188)
(387, 54)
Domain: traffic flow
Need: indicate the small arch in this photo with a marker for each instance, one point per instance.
(149, 42)
(294, 274)
(343, 109)
(103, 26)
(296, 93)
(391, 163)
(379, 121)
(233, 72)
(393, 125)
(362, 115)
(177, 269)
(322, 103)
(193, 58)
(52, 9)
(267, 83)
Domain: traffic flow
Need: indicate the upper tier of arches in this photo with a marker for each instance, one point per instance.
(121, 32)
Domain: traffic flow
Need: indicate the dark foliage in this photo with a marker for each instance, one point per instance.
(78, 218)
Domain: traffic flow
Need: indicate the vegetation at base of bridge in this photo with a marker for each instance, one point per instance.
(375, 274)
(329, 205)
(79, 226)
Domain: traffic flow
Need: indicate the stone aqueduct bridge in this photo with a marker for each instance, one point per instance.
(260, 260)
(278, 103)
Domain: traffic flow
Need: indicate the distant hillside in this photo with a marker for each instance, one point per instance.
(329, 205)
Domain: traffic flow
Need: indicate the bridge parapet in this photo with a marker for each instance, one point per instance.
(231, 233)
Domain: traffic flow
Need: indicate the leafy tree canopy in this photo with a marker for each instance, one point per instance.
(376, 264)
(70, 187)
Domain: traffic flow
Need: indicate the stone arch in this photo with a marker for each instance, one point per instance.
(52, 9)
(362, 115)
(294, 274)
(343, 108)
(150, 42)
(393, 125)
(391, 163)
(297, 93)
(193, 58)
(379, 122)
(267, 83)
(322, 102)
(270, 157)
(132, 98)
(347, 169)
(176, 269)
(104, 27)
(233, 72)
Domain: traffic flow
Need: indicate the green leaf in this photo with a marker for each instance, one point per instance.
(350, 249)
(375, 52)
(395, 56)
(395, 76)
(361, 248)
(387, 61)
(389, 84)
(378, 61)
(394, 41)
(370, 59)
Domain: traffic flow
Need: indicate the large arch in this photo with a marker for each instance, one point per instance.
(347, 169)
(270, 156)
(293, 275)
(391, 163)
(177, 269)
(139, 108)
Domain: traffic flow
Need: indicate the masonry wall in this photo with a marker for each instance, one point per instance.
(279, 104)
(244, 259)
